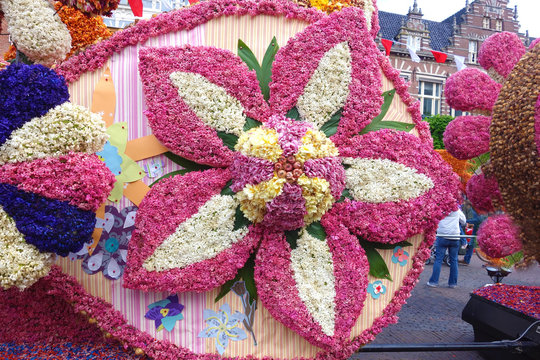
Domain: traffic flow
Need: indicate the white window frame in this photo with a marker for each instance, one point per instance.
(414, 42)
(433, 100)
(498, 25)
(486, 22)
(473, 51)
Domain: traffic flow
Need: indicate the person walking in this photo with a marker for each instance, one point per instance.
(474, 219)
(448, 226)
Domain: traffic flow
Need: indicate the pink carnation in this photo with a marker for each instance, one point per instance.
(498, 236)
(501, 52)
(481, 191)
(471, 89)
(467, 136)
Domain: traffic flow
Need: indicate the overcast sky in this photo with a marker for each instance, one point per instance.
(437, 10)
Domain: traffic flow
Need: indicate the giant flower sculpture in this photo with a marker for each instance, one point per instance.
(296, 180)
(51, 183)
(504, 123)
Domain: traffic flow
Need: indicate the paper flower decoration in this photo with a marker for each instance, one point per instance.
(34, 29)
(511, 97)
(223, 326)
(297, 179)
(376, 288)
(122, 166)
(165, 313)
(50, 181)
(400, 256)
(110, 254)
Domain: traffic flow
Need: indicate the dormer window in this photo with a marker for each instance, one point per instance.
(414, 42)
(499, 25)
(486, 23)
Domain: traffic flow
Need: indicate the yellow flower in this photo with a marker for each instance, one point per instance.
(260, 142)
(315, 145)
(318, 196)
(253, 198)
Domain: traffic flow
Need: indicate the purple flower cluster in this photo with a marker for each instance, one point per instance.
(483, 192)
(467, 136)
(498, 236)
(286, 211)
(471, 89)
(50, 225)
(331, 170)
(26, 92)
(501, 52)
(249, 170)
(290, 133)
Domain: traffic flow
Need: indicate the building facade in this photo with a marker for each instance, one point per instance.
(123, 16)
(460, 34)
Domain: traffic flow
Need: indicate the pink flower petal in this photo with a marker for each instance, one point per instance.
(501, 52)
(286, 211)
(172, 121)
(168, 204)
(297, 61)
(467, 136)
(78, 178)
(329, 169)
(279, 294)
(483, 191)
(249, 170)
(498, 236)
(471, 89)
(392, 222)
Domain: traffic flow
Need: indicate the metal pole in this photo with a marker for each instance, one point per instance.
(470, 346)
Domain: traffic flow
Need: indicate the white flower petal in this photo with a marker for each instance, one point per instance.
(313, 269)
(201, 237)
(210, 102)
(328, 88)
(383, 180)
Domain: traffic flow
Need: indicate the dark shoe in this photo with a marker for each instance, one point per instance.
(463, 262)
(432, 285)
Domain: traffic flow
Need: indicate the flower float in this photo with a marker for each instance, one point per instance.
(46, 40)
(165, 313)
(311, 132)
(505, 107)
(50, 181)
(296, 180)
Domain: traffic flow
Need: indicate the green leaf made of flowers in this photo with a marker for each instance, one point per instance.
(330, 127)
(264, 71)
(227, 189)
(377, 123)
(345, 194)
(247, 274)
(171, 174)
(251, 123)
(293, 114)
(240, 220)
(377, 266)
(185, 163)
(292, 237)
(316, 230)
(229, 140)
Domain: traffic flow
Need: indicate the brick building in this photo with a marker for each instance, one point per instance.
(461, 34)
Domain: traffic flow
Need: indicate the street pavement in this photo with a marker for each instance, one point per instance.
(433, 315)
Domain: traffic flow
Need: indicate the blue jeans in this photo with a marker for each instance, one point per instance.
(470, 250)
(440, 249)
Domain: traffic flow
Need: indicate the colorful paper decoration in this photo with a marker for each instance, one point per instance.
(387, 44)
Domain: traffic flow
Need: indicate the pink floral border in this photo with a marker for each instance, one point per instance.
(186, 19)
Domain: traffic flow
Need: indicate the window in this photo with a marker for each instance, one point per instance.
(473, 51)
(414, 42)
(455, 112)
(499, 25)
(485, 23)
(430, 98)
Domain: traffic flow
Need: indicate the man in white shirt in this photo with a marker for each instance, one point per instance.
(448, 227)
